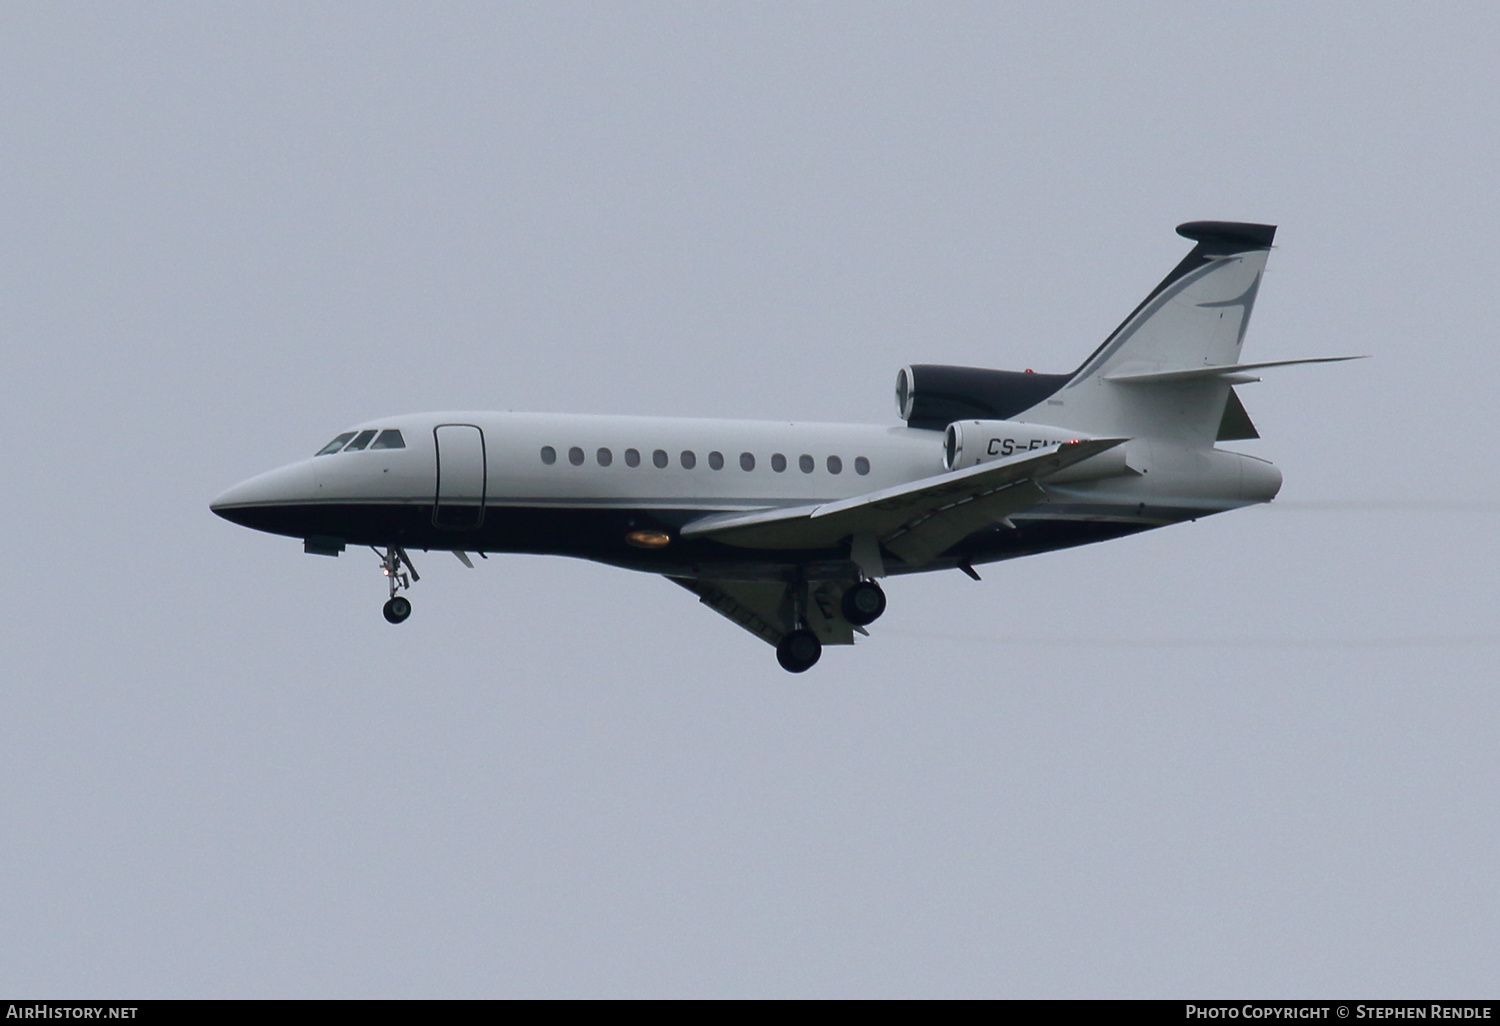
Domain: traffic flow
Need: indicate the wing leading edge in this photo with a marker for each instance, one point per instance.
(916, 521)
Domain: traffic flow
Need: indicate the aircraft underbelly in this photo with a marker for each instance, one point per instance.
(600, 535)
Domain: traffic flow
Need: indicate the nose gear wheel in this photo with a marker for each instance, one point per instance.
(397, 609)
(396, 565)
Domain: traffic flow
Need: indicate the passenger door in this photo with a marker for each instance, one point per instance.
(459, 503)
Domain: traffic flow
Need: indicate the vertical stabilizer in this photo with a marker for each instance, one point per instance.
(1196, 318)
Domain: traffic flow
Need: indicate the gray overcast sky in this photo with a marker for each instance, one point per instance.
(1254, 755)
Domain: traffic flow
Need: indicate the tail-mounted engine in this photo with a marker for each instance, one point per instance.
(933, 396)
(971, 405)
(967, 443)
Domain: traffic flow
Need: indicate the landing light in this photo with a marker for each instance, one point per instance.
(648, 539)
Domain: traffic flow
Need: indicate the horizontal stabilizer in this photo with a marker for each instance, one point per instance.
(1234, 373)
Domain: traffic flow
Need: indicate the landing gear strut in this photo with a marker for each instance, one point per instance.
(397, 608)
(799, 649)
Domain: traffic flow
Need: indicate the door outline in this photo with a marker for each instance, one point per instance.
(458, 516)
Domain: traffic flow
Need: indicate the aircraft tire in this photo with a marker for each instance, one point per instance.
(863, 603)
(799, 651)
(397, 609)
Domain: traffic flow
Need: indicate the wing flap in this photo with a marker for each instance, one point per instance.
(935, 532)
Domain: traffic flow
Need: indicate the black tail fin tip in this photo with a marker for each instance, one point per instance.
(1250, 236)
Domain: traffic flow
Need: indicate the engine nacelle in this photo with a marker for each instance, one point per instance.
(968, 443)
(932, 396)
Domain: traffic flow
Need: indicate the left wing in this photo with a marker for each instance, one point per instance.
(917, 520)
(764, 608)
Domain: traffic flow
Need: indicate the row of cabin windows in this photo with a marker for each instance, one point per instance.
(689, 459)
(373, 439)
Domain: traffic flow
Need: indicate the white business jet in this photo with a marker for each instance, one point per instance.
(788, 528)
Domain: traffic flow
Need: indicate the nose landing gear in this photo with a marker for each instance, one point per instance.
(397, 608)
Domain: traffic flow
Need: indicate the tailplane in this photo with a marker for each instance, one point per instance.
(1166, 371)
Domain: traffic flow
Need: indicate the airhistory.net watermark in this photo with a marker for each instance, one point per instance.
(45, 1010)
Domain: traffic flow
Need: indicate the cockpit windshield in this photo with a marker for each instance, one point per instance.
(335, 445)
(373, 438)
(360, 441)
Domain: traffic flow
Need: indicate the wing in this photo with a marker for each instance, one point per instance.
(764, 608)
(918, 520)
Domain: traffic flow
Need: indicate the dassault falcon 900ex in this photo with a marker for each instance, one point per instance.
(788, 528)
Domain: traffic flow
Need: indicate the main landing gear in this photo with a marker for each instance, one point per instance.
(798, 650)
(863, 603)
(398, 607)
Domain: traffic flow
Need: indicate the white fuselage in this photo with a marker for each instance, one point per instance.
(790, 463)
(493, 466)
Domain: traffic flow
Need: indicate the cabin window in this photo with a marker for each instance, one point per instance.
(716, 460)
(389, 440)
(747, 461)
(360, 441)
(575, 456)
(861, 466)
(549, 455)
(689, 460)
(835, 465)
(659, 458)
(778, 462)
(335, 445)
(605, 457)
(805, 463)
(632, 457)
